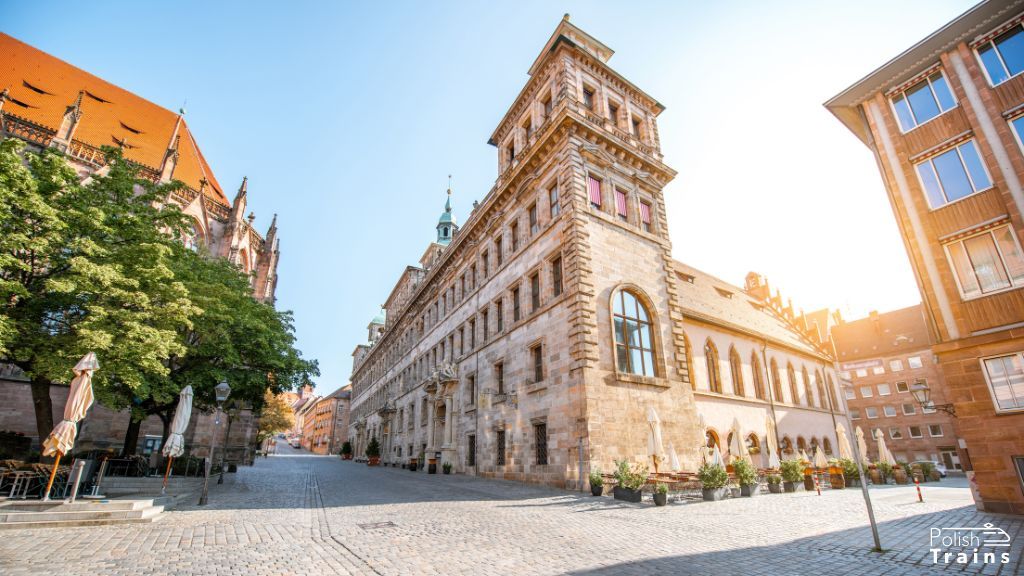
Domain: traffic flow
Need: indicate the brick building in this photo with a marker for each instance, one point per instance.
(883, 356)
(945, 121)
(47, 102)
(537, 340)
(325, 427)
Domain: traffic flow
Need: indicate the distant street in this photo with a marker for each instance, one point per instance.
(312, 515)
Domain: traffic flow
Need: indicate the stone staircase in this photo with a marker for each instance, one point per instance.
(24, 514)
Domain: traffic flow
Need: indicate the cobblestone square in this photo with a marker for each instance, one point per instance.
(292, 515)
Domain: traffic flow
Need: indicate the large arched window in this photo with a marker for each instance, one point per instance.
(831, 392)
(688, 351)
(801, 444)
(757, 372)
(634, 349)
(192, 236)
(820, 384)
(787, 445)
(826, 446)
(711, 439)
(753, 444)
(776, 381)
(736, 368)
(791, 376)
(711, 357)
(808, 395)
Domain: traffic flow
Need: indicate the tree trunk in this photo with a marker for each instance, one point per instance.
(131, 437)
(165, 418)
(43, 407)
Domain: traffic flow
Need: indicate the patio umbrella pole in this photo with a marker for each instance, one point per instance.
(53, 474)
(163, 490)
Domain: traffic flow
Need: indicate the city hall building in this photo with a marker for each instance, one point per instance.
(541, 338)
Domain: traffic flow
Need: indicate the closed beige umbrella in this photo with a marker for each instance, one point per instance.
(673, 458)
(820, 462)
(654, 444)
(773, 445)
(845, 450)
(175, 445)
(862, 446)
(883, 452)
(738, 448)
(62, 439)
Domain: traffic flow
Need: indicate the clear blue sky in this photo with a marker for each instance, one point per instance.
(347, 119)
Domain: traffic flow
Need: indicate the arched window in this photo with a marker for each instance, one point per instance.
(820, 383)
(826, 446)
(758, 374)
(192, 236)
(736, 367)
(711, 357)
(753, 444)
(689, 361)
(776, 381)
(814, 444)
(808, 396)
(787, 445)
(634, 349)
(791, 376)
(831, 392)
(711, 439)
(801, 444)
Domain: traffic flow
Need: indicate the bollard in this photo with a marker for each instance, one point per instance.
(77, 475)
(817, 486)
(917, 484)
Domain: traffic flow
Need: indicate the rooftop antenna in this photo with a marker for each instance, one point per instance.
(181, 110)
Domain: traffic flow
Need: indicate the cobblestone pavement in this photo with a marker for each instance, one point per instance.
(292, 515)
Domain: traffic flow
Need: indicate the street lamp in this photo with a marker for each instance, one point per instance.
(232, 413)
(923, 393)
(221, 391)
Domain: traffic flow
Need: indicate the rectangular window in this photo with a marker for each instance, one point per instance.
(515, 304)
(528, 128)
(896, 365)
(537, 355)
(896, 433)
(499, 377)
(499, 313)
(534, 223)
(878, 370)
(637, 126)
(1005, 375)
(915, 432)
(500, 446)
(854, 414)
(472, 334)
(866, 392)
(871, 412)
(909, 409)
(952, 175)
(540, 434)
(902, 387)
(556, 276)
(1003, 56)
(923, 101)
(485, 263)
(534, 292)
(645, 216)
(498, 252)
(594, 191)
(485, 322)
(889, 411)
(471, 389)
(861, 372)
(471, 450)
(546, 102)
(553, 201)
(462, 341)
(588, 97)
(514, 232)
(914, 362)
(935, 430)
(850, 394)
(987, 262)
(620, 204)
(884, 390)
(613, 112)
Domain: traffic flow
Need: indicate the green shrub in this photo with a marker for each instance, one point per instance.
(745, 472)
(885, 469)
(792, 470)
(447, 467)
(926, 469)
(346, 448)
(850, 470)
(595, 478)
(712, 476)
(774, 479)
(662, 488)
(373, 448)
(628, 477)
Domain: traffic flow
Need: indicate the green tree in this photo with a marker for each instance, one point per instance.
(87, 268)
(275, 417)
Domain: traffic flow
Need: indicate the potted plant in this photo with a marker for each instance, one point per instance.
(414, 464)
(661, 494)
(899, 473)
(596, 482)
(928, 471)
(792, 474)
(346, 450)
(774, 483)
(447, 467)
(835, 474)
(746, 475)
(713, 480)
(875, 474)
(629, 482)
(373, 452)
(851, 474)
(884, 472)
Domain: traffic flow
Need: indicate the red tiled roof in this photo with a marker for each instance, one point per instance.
(41, 87)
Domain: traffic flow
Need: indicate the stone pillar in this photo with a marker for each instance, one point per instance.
(430, 426)
(447, 421)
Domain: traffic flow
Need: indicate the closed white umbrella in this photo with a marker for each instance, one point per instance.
(654, 443)
(738, 448)
(883, 452)
(62, 439)
(704, 451)
(773, 444)
(820, 462)
(175, 445)
(862, 446)
(845, 450)
(716, 457)
(673, 458)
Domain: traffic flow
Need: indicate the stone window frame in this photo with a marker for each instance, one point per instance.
(531, 366)
(549, 263)
(534, 424)
(499, 315)
(988, 382)
(537, 271)
(712, 361)
(657, 346)
(515, 294)
(471, 392)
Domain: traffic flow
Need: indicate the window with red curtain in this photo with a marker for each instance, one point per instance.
(594, 187)
(645, 216)
(620, 203)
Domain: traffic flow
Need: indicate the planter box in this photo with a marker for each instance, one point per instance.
(789, 486)
(775, 488)
(431, 465)
(660, 499)
(808, 482)
(838, 481)
(714, 494)
(627, 495)
(900, 476)
(373, 461)
(749, 490)
(346, 456)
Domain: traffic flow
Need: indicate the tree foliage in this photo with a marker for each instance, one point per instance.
(275, 417)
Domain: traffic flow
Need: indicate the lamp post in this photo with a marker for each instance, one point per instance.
(221, 391)
(232, 412)
(923, 394)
